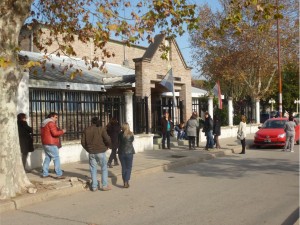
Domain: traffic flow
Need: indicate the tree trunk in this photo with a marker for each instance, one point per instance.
(13, 179)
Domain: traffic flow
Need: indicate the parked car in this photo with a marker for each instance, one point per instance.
(264, 117)
(271, 133)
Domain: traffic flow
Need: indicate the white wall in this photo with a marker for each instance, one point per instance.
(73, 151)
(231, 131)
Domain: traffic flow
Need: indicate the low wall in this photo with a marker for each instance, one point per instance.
(231, 131)
(73, 151)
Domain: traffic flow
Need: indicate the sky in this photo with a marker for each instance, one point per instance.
(183, 41)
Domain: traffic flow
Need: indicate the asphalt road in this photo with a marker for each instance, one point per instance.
(260, 187)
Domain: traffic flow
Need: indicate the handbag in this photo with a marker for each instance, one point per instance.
(239, 136)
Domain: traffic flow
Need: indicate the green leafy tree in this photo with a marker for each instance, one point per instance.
(290, 87)
(238, 45)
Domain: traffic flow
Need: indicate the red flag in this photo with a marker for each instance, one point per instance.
(217, 93)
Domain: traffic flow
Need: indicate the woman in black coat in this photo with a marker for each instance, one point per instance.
(25, 137)
(126, 152)
(217, 131)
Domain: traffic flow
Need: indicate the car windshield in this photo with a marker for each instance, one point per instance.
(274, 124)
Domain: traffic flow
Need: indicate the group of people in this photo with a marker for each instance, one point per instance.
(96, 140)
(190, 130)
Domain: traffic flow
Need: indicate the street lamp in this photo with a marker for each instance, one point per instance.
(272, 101)
(297, 101)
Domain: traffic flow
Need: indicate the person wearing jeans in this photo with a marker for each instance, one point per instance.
(51, 152)
(126, 151)
(94, 161)
(50, 134)
(96, 141)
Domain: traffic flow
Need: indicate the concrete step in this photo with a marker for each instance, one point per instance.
(156, 147)
(157, 140)
(174, 144)
(183, 142)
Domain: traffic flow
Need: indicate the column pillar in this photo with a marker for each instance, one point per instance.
(129, 108)
(211, 106)
(230, 112)
(257, 109)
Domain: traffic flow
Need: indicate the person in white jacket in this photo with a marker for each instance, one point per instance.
(242, 133)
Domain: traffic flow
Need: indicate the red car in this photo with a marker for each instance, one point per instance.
(271, 133)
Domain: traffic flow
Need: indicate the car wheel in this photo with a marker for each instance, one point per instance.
(257, 146)
(297, 142)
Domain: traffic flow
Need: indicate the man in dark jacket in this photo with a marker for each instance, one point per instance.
(208, 129)
(50, 134)
(96, 141)
(166, 128)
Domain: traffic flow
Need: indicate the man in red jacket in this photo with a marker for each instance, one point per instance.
(50, 134)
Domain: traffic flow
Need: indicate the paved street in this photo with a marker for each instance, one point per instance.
(261, 187)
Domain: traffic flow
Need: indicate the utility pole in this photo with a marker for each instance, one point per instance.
(279, 68)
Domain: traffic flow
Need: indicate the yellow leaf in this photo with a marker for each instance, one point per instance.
(4, 63)
(32, 64)
(112, 27)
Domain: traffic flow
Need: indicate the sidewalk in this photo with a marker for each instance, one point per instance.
(150, 161)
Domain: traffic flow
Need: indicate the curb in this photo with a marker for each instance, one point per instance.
(29, 199)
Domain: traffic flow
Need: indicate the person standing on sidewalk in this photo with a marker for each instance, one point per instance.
(166, 127)
(113, 129)
(217, 131)
(25, 137)
(191, 130)
(126, 151)
(201, 122)
(96, 141)
(289, 128)
(50, 134)
(208, 130)
(242, 133)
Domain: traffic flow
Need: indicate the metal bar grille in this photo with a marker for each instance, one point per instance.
(75, 110)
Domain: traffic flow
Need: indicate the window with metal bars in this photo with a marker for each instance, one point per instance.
(75, 109)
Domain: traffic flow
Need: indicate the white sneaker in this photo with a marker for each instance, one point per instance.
(292, 150)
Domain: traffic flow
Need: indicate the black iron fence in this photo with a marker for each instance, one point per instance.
(75, 109)
(140, 115)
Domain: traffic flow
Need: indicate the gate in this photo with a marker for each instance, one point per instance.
(159, 107)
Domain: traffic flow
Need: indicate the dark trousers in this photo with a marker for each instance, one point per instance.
(113, 156)
(243, 142)
(192, 142)
(166, 136)
(24, 159)
(197, 138)
(126, 163)
(216, 139)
